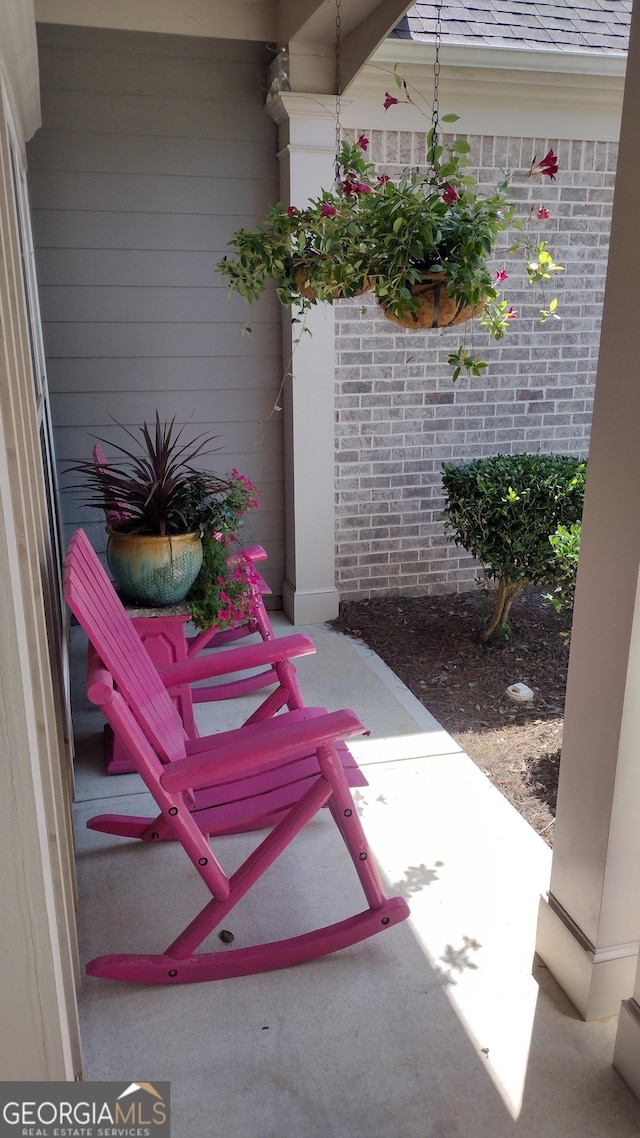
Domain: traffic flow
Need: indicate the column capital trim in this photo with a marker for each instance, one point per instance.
(285, 105)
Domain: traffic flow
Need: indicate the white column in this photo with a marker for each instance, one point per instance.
(589, 927)
(307, 150)
(626, 1056)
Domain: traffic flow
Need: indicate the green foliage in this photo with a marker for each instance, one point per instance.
(503, 510)
(222, 511)
(225, 591)
(565, 543)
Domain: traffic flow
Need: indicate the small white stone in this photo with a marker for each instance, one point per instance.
(520, 693)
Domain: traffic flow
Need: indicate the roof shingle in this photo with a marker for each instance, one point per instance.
(600, 26)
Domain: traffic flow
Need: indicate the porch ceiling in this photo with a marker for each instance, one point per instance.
(307, 26)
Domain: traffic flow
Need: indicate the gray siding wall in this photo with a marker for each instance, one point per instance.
(153, 150)
(400, 416)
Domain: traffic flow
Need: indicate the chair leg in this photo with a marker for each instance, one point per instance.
(345, 815)
(253, 868)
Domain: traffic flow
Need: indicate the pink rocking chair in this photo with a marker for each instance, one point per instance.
(166, 642)
(235, 772)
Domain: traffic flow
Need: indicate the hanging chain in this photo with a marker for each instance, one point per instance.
(435, 108)
(338, 93)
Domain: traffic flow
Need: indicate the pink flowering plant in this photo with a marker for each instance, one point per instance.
(316, 253)
(226, 590)
(375, 233)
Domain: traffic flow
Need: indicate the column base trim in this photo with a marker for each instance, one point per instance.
(626, 1055)
(596, 981)
(310, 606)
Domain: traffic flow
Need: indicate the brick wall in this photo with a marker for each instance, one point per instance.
(399, 416)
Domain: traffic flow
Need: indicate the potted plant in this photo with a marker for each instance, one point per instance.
(422, 243)
(159, 507)
(225, 592)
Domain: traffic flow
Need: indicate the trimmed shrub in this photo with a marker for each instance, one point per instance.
(566, 550)
(504, 509)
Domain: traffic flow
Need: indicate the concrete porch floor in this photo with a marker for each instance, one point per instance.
(443, 1027)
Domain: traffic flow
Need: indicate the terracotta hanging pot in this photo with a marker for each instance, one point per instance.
(436, 307)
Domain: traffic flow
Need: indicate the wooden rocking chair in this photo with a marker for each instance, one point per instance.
(235, 771)
(166, 641)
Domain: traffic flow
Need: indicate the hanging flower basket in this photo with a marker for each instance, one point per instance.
(435, 307)
(372, 233)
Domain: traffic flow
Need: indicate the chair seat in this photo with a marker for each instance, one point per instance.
(237, 806)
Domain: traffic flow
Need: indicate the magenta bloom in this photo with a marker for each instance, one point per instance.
(450, 194)
(351, 186)
(363, 142)
(389, 100)
(502, 275)
(547, 165)
(543, 213)
(383, 179)
(328, 210)
(511, 313)
(292, 211)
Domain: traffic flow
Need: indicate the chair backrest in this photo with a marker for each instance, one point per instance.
(112, 516)
(94, 601)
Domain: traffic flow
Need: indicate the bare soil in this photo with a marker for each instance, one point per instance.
(433, 644)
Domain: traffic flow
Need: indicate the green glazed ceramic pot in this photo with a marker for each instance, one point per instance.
(154, 570)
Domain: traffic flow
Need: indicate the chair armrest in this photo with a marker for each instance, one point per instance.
(252, 553)
(236, 660)
(100, 687)
(234, 753)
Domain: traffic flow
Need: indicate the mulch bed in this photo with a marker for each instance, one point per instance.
(433, 644)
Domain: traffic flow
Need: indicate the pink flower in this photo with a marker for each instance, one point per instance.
(543, 213)
(363, 142)
(389, 100)
(328, 210)
(353, 187)
(218, 536)
(502, 275)
(383, 179)
(511, 313)
(450, 194)
(292, 211)
(547, 165)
